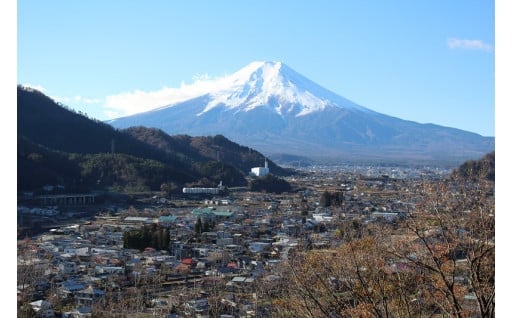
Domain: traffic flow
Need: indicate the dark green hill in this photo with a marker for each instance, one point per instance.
(45, 122)
(38, 166)
(217, 148)
(57, 145)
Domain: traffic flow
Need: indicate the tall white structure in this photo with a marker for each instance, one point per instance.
(260, 171)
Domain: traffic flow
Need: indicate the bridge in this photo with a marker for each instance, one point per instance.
(67, 199)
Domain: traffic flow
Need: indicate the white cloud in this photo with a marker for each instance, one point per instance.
(76, 100)
(129, 103)
(199, 77)
(454, 43)
(62, 99)
(111, 114)
(80, 99)
(36, 87)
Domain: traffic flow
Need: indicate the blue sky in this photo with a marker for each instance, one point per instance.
(426, 61)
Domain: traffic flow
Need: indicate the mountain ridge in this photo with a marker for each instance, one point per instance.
(274, 109)
(259, 82)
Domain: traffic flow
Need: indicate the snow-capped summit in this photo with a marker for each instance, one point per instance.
(272, 108)
(267, 84)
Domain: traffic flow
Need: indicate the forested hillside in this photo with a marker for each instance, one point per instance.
(217, 148)
(58, 146)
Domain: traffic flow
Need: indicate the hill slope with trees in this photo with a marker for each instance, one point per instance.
(59, 146)
(473, 170)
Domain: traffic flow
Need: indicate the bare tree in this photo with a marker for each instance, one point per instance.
(439, 261)
(453, 246)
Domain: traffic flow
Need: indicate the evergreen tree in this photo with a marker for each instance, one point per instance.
(198, 226)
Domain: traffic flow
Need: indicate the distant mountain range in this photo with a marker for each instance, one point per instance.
(270, 107)
(57, 146)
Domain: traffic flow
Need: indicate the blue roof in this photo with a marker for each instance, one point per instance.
(72, 285)
(167, 218)
(209, 211)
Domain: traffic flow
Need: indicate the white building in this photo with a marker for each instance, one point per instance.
(216, 190)
(260, 171)
(201, 190)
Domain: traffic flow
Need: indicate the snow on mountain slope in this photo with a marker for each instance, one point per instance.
(266, 84)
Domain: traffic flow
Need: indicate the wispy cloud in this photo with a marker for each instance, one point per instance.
(199, 77)
(466, 44)
(64, 99)
(77, 100)
(36, 87)
(129, 103)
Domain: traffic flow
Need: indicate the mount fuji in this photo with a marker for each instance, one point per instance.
(270, 107)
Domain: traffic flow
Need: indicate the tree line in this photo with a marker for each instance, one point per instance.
(154, 236)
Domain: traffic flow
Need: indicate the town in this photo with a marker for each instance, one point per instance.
(219, 255)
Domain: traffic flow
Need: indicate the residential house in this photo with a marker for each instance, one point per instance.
(43, 309)
(88, 296)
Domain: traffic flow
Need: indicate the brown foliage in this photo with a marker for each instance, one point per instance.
(442, 260)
